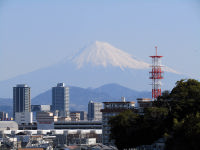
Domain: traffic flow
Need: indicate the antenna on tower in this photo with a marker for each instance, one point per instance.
(156, 50)
(156, 74)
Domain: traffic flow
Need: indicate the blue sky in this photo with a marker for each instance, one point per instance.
(38, 33)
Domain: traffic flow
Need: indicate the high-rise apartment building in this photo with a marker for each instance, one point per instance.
(21, 99)
(94, 111)
(60, 99)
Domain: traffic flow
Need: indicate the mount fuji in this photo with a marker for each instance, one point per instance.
(94, 65)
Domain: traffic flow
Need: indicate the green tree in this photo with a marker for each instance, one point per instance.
(175, 114)
(130, 130)
(186, 134)
(122, 129)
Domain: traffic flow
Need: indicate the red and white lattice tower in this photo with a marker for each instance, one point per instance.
(156, 74)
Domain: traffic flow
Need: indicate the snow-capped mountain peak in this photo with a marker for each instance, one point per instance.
(104, 54)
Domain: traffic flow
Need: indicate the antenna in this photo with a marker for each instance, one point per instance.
(156, 74)
(156, 50)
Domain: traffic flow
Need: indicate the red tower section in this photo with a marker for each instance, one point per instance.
(156, 74)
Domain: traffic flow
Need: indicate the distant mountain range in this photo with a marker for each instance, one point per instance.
(79, 97)
(96, 64)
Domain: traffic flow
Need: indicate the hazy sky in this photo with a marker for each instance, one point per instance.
(38, 33)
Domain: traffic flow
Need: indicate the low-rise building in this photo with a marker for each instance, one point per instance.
(143, 103)
(45, 120)
(24, 117)
(39, 108)
(75, 116)
(78, 125)
(83, 114)
(8, 125)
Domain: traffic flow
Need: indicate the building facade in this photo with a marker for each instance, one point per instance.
(60, 99)
(112, 109)
(45, 120)
(24, 117)
(94, 111)
(78, 125)
(143, 103)
(39, 108)
(83, 114)
(21, 99)
(75, 116)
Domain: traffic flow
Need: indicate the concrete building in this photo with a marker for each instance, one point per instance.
(39, 108)
(60, 99)
(24, 117)
(75, 116)
(3, 116)
(8, 125)
(45, 120)
(143, 103)
(21, 99)
(83, 114)
(94, 111)
(112, 109)
(78, 125)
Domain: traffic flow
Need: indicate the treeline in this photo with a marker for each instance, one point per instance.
(175, 117)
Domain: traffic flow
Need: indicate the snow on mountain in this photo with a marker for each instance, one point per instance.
(104, 54)
(97, 64)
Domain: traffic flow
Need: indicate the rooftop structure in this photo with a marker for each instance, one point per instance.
(8, 125)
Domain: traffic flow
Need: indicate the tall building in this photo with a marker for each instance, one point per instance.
(21, 99)
(60, 99)
(112, 109)
(94, 111)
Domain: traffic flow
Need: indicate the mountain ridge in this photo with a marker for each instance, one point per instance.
(88, 75)
(79, 97)
(104, 54)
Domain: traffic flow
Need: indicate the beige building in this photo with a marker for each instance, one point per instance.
(75, 116)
